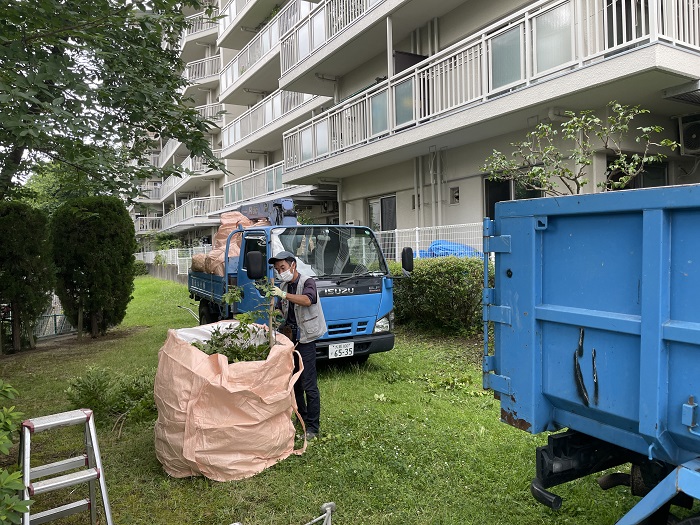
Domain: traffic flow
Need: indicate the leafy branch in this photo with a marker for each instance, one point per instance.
(539, 164)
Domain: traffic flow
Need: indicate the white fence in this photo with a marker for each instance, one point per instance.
(182, 257)
(462, 239)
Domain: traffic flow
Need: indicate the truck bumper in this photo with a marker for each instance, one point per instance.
(364, 345)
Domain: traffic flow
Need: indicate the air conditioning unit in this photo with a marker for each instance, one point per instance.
(354, 222)
(690, 134)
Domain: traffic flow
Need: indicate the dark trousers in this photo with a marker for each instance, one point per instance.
(309, 406)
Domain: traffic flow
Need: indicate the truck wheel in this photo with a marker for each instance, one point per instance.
(693, 520)
(205, 316)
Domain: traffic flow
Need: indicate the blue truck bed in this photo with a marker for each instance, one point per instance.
(596, 313)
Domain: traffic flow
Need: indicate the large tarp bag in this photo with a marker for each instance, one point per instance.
(224, 421)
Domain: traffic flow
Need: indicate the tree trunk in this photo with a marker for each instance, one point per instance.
(80, 322)
(94, 325)
(16, 333)
(10, 168)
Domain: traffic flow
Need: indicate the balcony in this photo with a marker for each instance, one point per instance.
(582, 53)
(257, 65)
(171, 147)
(201, 30)
(192, 166)
(146, 225)
(203, 73)
(339, 36)
(213, 113)
(264, 182)
(149, 191)
(193, 214)
(261, 127)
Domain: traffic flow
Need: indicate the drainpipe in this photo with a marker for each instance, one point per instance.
(430, 38)
(421, 199)
(341, 202)
(416, 161)
(438, 177)
(436, 35)
(389, 47)
(433, 182)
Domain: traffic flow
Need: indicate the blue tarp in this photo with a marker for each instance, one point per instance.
(445, 248)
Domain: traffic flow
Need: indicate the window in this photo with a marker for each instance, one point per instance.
(654, 175)
(506, 58)
(454, 195)
(382, 213)
(497, 191)
(553, 38)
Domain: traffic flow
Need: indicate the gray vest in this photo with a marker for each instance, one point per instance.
(310, 319)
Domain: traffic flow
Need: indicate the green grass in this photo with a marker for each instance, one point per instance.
(410, 437)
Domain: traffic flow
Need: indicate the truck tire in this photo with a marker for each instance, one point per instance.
(693, 520)
(205, 315)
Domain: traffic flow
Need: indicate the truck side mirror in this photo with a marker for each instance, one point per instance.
(407, 259)
(255, 265)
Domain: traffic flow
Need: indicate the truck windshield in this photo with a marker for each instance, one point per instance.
(329, 251)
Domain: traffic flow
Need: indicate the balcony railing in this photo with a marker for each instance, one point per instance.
(211, 112)
(203, 68)
(267, 111)
(150, 191)
(322, 24)
(544, 38)
(230, 12)
(193, 208)
(199, 23)
(264, 42)
(257, 184)
(147, 224)
(167, 151)
(195, 166)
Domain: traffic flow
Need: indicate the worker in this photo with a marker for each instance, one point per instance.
(305, 323)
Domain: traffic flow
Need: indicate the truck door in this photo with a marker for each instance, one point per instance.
(252, 298)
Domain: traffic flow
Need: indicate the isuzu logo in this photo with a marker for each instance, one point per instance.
(338, 291)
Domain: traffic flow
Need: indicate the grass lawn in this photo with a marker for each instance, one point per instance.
(410, 437)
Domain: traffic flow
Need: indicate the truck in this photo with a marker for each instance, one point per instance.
(595, 338)
(352, 278)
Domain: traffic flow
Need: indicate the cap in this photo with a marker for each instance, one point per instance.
(281, 256)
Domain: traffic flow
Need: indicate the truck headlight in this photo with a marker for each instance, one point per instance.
(385, 324)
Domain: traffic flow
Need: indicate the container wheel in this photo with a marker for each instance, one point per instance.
(205, 316)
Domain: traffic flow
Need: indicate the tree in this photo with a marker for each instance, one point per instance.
(52, 184)
(91, 85)
(538, 164)
(94, 243)
(26, 268)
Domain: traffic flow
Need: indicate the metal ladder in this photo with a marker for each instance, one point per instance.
(89, 463)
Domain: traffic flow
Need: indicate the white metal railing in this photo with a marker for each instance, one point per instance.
(202, 68)
(264, 43)
(147, 224)
(463, 240)
(264, 113)
(199, 207)
(211, 112)
(180, 256)
(259, 183)
(545, 38)
(150, 190)
(328, 18)
(199, 23)
(153, 159)
(195, 166)
(198, 164)
(229, 13)
(167, 151)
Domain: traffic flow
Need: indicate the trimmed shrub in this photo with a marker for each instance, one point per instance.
(443, 294)
(94, 256)
(140, 267)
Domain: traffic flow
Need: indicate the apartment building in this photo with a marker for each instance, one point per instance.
(381, 112)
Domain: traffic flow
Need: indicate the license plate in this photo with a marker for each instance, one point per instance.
(336, 350)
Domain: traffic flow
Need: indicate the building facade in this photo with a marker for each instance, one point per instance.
(382, 112)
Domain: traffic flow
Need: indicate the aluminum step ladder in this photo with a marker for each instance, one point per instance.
(89, 463)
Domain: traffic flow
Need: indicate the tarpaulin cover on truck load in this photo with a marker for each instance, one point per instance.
(445, 248)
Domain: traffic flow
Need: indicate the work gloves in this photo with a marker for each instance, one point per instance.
(278, 292)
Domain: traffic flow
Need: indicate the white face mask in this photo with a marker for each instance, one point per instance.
(286, 276)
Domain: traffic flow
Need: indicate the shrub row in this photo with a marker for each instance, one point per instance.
(442, 294)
